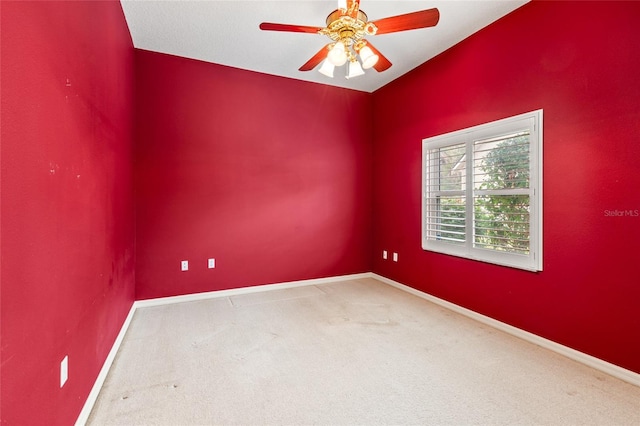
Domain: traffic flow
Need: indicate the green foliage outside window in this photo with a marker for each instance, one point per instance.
(502, 221)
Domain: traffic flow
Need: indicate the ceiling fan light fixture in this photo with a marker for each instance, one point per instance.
(355, 69)
(327, 68)
(337, 55)
(368, 58)
(346, 27)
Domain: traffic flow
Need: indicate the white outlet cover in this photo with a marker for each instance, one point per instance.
(184, 265)
(395, 257)
(211, 264)
(384, 254)
(64, 371)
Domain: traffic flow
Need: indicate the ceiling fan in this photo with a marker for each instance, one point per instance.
(347, 27)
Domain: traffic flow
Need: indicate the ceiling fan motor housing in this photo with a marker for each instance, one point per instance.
(342, 27)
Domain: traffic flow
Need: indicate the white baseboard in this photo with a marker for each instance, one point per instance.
(246, 290)
(591, 361)
(102, 376)
(606, 367)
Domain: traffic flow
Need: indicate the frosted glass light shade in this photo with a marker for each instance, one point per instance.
(354, 69)
(368, 58)
(337, 55)
(326, 68)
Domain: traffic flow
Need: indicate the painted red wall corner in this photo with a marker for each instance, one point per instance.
(270, 176)
(579, 62)
(67, 248)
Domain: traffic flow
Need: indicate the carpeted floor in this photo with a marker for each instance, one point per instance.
(357, 352)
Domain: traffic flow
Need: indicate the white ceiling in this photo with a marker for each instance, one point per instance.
(226, 32)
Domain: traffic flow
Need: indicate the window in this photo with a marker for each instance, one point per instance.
(482, 192)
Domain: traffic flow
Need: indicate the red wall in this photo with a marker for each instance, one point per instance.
(578, 61)
(67, 201)
(269, 176)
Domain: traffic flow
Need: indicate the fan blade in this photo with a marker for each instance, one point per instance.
(383, 63)
(316, 59)
(409, 21)
(268, 26)
(353, 8)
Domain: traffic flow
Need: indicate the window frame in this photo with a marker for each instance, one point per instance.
(530, 121)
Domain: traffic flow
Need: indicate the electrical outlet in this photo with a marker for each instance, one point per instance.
(211, 263)
(184, 265)
(64, 370)
(384, 254)
(395, 257)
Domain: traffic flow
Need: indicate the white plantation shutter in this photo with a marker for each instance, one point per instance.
(446, 218)
(482, 192)
(501, 193)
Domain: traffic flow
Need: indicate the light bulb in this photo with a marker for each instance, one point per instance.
(368, 58)
(337, 55)
(326, 68)
(354, 69)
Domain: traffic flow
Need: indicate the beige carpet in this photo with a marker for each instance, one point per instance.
(352, 353)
